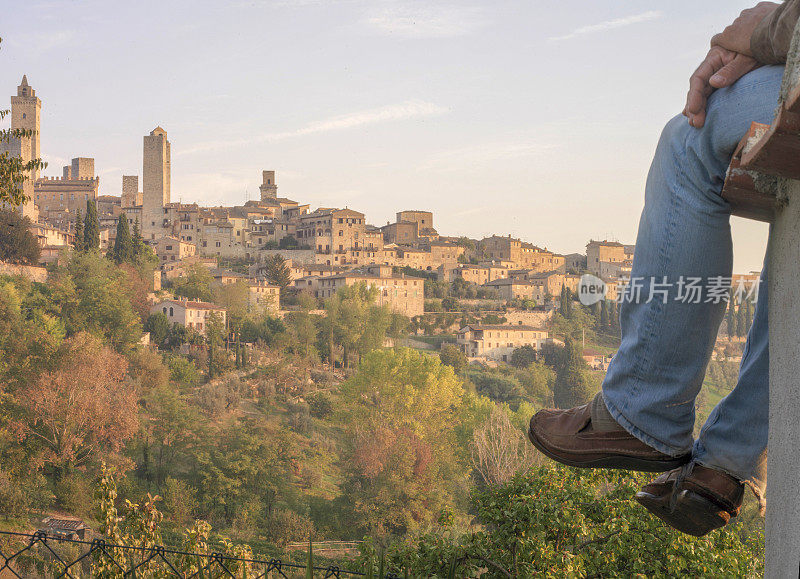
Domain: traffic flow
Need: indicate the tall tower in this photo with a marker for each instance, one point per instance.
(26, 112)
(155, 182)
(269, 187)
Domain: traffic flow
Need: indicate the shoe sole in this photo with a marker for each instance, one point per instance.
(693, 514)
(613, 461)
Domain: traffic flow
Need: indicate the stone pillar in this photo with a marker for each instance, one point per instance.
(783, 491)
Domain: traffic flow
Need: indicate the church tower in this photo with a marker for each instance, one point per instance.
(26, 111)
(268, 188)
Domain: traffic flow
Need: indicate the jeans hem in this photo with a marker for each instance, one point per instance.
(641, 435)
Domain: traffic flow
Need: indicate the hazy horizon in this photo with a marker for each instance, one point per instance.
(536, 120)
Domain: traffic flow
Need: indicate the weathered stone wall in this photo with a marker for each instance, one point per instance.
(31, 272)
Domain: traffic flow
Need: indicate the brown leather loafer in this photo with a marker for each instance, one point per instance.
(693, 499)
(567, 437)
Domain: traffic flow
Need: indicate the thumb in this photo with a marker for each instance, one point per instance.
(733, 71)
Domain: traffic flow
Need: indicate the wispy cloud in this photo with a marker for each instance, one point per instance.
(402, 111)
(424, 19)
(610, 24)
(479, 156)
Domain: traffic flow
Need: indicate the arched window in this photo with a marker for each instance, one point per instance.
(171, 312)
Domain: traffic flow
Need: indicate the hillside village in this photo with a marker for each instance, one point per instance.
(324, 249)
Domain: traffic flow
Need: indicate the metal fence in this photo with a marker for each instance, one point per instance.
(43, 555)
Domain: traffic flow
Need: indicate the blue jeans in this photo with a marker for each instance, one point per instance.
(684, 232)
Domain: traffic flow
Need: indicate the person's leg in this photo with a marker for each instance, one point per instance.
(684, 233)
(734, 438)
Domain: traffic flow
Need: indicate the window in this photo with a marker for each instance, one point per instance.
(164, 310)
(171, 312)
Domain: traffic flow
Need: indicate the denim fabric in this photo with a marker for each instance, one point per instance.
(684, 232)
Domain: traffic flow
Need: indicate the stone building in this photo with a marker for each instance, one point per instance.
(263, 297)
(498, 342)
(423, 219)
(171, 249)
(522, 254)
(402, 232)
(598, 252)
(190, 314)
(156, 182)
(131, 196)
(403, 294)
(59, 198)
(332, 231)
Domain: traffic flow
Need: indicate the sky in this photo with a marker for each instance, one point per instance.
(535, 118)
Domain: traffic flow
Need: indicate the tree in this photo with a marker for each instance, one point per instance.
(288, 242)
(158, 326)
(78, 230)
(730, 318)
(401, 410)
(124, 249)
(81, 407)
(91, 227)
(451, 355)
(563, 522)
(277, 272)
(572, 386)
(197, 284)
(138, 242)
(92, 294)
(17, 243)
(523, 356)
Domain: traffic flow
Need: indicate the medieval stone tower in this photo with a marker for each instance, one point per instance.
(155, 182)
(26, 111)
(25, 114)
(269, 188)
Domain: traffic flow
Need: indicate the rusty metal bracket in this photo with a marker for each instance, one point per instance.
(769, 150)
(740, 190)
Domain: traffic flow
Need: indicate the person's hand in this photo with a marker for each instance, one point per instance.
(720, 68)
(736, 37)
(729, 59)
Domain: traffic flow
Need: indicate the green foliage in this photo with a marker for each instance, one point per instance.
(17, 243)
(523, 356)
(91, 227)
(78, 230)
(197, 284)
(400, 467)
(573, 386)
(451, 355)
(561, 522)
(277, 272)
(124, 249)
(158, 326)
(92, 294)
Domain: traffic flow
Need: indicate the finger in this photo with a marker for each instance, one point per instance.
(733, 71)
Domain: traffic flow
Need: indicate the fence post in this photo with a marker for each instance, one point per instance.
(783, 494)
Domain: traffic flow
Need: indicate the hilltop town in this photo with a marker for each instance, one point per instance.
(324, 248)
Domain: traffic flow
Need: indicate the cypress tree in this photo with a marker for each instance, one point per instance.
(741, 329)
(748, 315)
(78, 231)
(123, 245)
(604, 316)
(138, 241)
(91, 227)
(730, 319)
